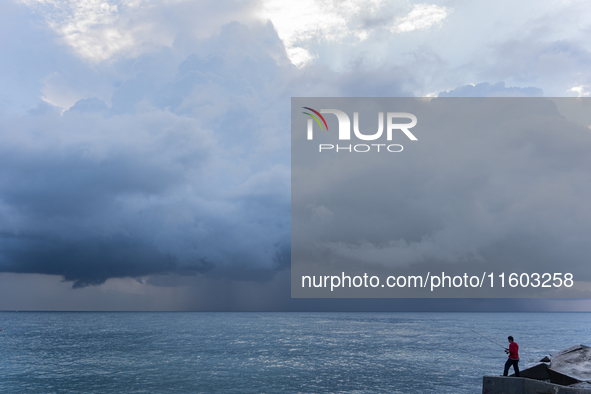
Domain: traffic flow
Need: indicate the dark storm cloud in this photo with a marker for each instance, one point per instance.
(87, 262)
(185, 172)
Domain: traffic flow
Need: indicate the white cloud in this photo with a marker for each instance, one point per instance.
(95, 29)
(303, 26)
(300, 24)
(581, 90)
(421, 17)
(57, 92)
(299, 56)
(100, 30)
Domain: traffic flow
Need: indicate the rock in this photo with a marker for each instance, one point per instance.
(546, 359)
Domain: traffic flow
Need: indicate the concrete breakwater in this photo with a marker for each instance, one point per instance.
(565, 372)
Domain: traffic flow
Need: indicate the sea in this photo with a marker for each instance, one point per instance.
(197, 352)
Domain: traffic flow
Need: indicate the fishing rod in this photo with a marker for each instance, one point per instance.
(487, 338)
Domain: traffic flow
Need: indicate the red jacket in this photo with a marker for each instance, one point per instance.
(513, 351)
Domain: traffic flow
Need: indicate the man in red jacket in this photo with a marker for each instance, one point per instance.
(513, 357)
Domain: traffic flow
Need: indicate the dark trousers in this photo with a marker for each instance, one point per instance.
(515, 367)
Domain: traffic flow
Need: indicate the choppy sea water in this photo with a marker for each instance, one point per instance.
(142, 352)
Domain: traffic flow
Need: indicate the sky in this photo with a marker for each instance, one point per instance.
(145, 155)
